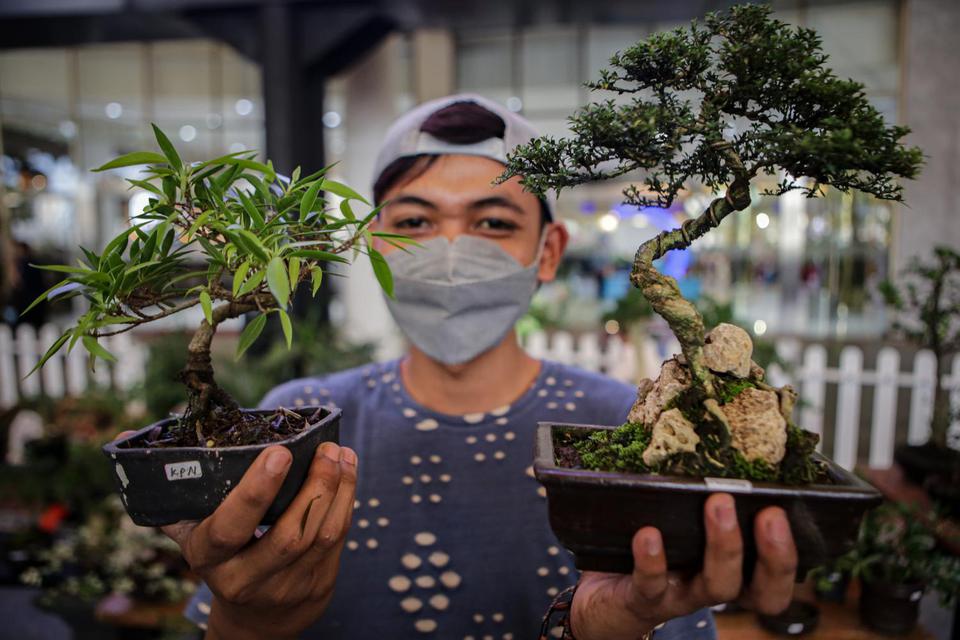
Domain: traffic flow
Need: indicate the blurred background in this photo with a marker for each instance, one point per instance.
(313, 84)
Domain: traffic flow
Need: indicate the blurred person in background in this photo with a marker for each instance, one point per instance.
(24, 285)
(426, 520)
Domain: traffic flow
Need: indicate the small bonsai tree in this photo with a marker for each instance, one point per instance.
(230, 236)
(927, 300)
(724, 102)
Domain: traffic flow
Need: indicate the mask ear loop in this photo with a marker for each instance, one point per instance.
(542, 243)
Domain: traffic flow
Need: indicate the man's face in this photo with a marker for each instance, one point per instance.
(455, 196)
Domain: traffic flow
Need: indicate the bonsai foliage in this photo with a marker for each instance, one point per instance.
(928, 301)
(227, 235)
(898, 545)
(724, 102)
(736, 99)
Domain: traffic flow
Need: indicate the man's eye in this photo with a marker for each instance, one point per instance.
(411, 223)
(496, 224)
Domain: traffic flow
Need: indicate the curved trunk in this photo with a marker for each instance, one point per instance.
(203, 392)
(662, 291)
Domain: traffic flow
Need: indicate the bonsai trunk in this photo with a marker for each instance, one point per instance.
(204, 395)
(940, 423)
(662, 291)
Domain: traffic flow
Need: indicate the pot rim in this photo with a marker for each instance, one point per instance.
(848, 485)
(114, 447)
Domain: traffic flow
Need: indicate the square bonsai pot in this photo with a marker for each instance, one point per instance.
(595, 514)
(160, 486)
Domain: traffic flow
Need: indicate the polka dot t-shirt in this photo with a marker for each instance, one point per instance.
(450, 537)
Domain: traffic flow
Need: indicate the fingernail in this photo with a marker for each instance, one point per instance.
(652, 544)
(348, 455)
(277, 461)
(779, 530)
(725, 515)
(331, 451)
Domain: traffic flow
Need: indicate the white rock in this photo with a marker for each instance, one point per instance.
(671, 434)
(727, 349)
(757, 428)
(637, 412)
(673, 379)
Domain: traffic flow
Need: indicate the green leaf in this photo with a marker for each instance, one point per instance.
(254, 244)
(287, 327)
(43, 296)
(61, 268)
(250, 208)
(277, 281)
(239, 276)
(167, 147)
(295, 175)
(309, 200)
(207, 305)
(314, 254)
(250, 334)
(49, 354)
(146, 186)
(294, 269)
(316, 276)
(382, 270)
(252, 283)
(341, 190)
(96, 349)
(133, 159)
(347, 210)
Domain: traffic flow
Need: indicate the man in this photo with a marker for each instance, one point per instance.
(427, 520)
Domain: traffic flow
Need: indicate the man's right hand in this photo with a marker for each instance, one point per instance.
(279, 584)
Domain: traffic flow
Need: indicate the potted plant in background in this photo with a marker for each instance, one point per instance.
(896, 559)
(232, 238)
(927, 303)
(725, 102)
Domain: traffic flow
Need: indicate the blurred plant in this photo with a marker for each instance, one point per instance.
(109, 554)
(927, 299)
(897, 545)
(258, 237)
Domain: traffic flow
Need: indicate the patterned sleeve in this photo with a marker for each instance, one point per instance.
(556, 622)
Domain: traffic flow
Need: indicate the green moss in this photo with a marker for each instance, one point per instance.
(619, 449)
(729, 387)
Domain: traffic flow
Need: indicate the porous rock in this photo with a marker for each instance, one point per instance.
(671, 434)
(673, 379)
(788, 398)
(727, 349)
(757, 428)
(637, 412)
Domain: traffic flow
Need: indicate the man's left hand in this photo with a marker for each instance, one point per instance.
(623, 607)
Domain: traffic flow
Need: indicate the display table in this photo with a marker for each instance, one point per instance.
(837, 621)
(138, 619)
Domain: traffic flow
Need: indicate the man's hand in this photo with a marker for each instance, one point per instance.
(614, 607)
(279, 584)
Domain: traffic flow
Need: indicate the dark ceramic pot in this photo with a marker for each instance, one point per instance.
(945, 492)
(890, 608)
(165, 485)
(833, 587)
(595, 514)
(799, 619)
(920, 461)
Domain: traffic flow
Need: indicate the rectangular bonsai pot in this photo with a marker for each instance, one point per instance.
(161, 486)
(595, 514)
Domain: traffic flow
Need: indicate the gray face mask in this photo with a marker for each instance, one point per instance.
(455, 300)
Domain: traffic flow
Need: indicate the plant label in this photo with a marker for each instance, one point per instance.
(728, 484)
(183, 470)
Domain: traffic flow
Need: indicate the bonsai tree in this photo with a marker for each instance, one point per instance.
(231, 237)
(927, 300)
(726, 102)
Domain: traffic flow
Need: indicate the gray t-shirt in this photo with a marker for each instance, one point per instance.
(450, 537)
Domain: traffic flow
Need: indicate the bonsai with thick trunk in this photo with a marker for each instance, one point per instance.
(737, 98)
(230, 236)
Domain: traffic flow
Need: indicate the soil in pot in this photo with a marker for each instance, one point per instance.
(162, 484)
(920, 461)
(890, 608)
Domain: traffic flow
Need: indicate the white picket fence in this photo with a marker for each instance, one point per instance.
(807, 369)
(65, 373)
